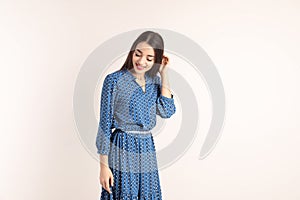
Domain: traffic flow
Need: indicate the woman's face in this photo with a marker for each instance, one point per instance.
(143, 58)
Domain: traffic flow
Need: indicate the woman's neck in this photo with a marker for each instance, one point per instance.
(138, 76)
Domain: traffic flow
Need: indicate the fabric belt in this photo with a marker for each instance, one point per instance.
(143, 132)
(136, 132)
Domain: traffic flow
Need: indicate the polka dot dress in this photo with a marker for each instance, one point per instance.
(130, 147)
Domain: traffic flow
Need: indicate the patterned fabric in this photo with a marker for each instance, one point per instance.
(130, 147)
(134, 166)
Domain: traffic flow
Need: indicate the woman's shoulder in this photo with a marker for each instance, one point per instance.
(115, 75)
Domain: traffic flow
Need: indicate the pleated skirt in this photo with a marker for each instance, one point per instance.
(133, 162)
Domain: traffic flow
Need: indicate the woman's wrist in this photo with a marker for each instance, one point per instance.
(103, 161)
(163, 74)
(165, 85)
(103, 165)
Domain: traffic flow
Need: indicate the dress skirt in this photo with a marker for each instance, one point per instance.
(132, 160)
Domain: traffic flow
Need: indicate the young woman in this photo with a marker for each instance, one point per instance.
(131, 98)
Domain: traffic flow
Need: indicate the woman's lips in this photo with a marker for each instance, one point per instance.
(139, 67)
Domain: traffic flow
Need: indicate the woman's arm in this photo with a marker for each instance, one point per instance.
(106, 116)
(165, 106)
(165, 86)
(165, 103)
(104, 132)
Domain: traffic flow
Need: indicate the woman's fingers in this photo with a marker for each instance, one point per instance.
(112, 180)
(106, 179)
(106, 186)
(166, 60)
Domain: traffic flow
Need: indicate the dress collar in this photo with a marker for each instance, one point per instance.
(132, 77)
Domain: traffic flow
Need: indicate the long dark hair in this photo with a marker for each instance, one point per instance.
(156, 42)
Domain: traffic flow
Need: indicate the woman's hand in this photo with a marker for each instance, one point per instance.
(163, 66)
(106, 178)
(165, 89)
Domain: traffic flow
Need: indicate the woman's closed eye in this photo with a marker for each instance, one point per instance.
(140, 56)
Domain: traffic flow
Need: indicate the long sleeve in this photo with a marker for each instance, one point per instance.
(165, 107)
(106, 116)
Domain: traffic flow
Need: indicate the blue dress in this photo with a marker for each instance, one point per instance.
(130, 147)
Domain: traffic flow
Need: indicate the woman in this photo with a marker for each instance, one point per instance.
(130, 100)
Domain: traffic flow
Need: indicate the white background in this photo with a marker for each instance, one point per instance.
(254, 44)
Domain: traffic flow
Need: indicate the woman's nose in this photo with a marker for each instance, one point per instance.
(142, 61)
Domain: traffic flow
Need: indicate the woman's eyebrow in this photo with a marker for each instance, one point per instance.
(142, 52)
